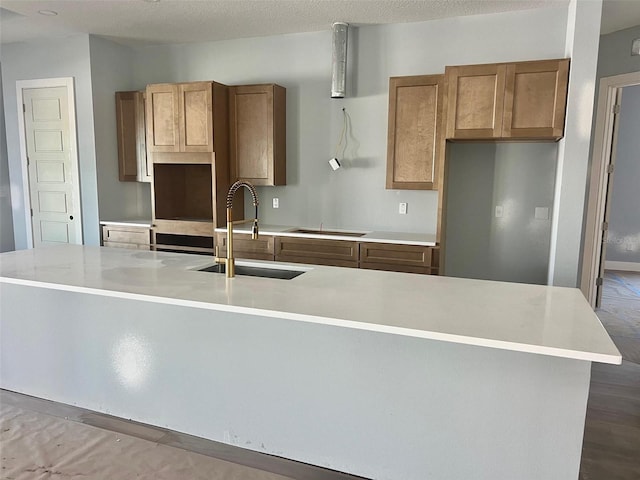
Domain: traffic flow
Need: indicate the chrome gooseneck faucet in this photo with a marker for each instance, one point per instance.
(229, 261)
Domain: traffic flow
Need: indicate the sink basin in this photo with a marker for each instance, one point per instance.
(254, 271)
(327, 232)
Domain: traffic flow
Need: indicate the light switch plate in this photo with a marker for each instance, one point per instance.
(635, 47)
(542, 213)
(402, 209)
(276, 203)
(499, 211)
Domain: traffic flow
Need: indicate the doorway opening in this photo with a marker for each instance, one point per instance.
(598, 234)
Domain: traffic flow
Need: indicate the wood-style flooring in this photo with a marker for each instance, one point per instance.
(611, 447)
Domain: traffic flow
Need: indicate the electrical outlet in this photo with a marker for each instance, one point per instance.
(499, 211)
(402, 209)
(276, 203)
(542, 213)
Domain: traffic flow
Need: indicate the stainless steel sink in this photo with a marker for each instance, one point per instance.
(326, 232)
(254, 271)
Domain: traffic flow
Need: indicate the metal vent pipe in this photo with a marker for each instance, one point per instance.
(339, 59)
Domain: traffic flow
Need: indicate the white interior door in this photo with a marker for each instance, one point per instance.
(53, 181)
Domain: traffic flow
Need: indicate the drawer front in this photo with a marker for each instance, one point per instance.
(131, 246)
(244, 247)
(395, 255)
(340, 253)
(132, 235)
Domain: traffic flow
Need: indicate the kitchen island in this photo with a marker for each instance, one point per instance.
(381, 374)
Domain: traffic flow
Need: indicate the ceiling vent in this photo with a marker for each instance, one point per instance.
(339, 60)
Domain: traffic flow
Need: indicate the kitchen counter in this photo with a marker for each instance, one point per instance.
(403, 238)
(144, 223)
(384, 375)
(527, 318)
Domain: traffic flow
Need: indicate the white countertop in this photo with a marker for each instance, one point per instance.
(404, 238)
(553, 321)
(145, 223)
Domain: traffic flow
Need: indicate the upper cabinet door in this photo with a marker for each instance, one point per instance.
(132, 154)
(415, 144)
(475, 101)
(163, 134)
(257, 117)
(535, 99)
(195, 119)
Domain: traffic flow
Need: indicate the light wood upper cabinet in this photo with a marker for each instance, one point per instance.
(195, 119)
(475, 101)
(163, 133)
(180, 117)
(257, 118)
(518, 101)
(535, 99)
(130, 123)
(415, 143)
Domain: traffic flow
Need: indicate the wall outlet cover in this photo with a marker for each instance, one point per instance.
(402, 208)
(499, 211)
(276, 203)
(542, 213)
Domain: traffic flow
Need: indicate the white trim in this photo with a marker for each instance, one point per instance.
(622, 266)
(73, 149)
(602, 139)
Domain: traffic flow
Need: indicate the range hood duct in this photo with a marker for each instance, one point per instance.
(339, 59)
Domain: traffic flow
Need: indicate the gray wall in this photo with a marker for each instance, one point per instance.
(614, 56)
(623, 243)
(354, 196)
(67, 57)
(6, 218)
(111, 71)
(517, 177)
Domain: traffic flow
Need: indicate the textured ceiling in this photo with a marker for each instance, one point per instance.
(140, 22)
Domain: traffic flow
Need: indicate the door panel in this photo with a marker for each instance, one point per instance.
(51, 183)
(195, 120)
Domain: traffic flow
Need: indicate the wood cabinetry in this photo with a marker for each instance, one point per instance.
(181, 117)
(121, 236)
(257, 118)
(475, 101)
(262, 248)
(397, 257)
(517, 101)
(133, 164)
(416, 144)
(188, 142)
(338, 253)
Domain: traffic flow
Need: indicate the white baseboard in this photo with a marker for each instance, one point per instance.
(623, 266)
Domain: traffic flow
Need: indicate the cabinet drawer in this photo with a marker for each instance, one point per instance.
(125, 235)
(244, 247)
(396, 257)
(339, 253)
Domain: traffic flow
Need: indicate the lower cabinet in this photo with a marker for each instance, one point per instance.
(126, 237)
(337, 253)
(245, 247)
(398, 258)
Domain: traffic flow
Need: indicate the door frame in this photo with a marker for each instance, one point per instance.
(600, 159)
(73, 149)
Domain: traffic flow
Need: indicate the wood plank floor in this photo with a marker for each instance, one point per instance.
(611, 447)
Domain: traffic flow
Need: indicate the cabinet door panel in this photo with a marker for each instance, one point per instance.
(162, 118)
(258, 142)
(535, 99)
(475, 103)
(415, 142)
(127, 148)
(195, 120)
